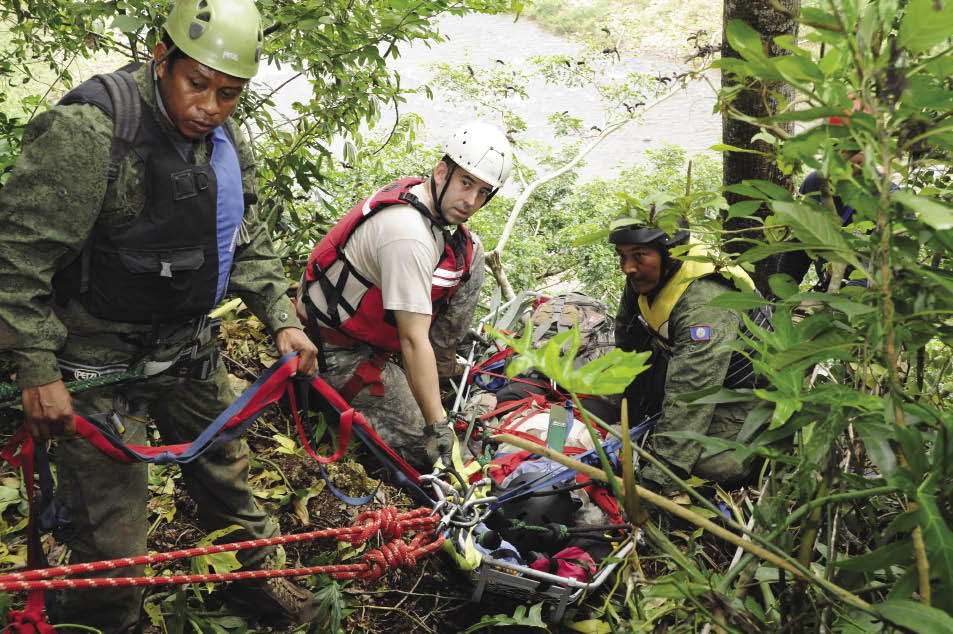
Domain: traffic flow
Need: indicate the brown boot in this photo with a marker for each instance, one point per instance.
(276, 599)
(448, 369)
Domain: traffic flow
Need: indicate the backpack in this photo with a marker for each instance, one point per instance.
(557, 315)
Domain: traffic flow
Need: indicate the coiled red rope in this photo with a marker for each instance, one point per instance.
(386, 521)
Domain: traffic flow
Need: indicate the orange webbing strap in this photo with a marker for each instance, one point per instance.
(367, 373)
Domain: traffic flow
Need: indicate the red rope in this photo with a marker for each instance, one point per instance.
(387, 521)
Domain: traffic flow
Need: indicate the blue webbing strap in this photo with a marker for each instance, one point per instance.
(210, 436)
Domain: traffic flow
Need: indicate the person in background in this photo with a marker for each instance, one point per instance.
(664, 309)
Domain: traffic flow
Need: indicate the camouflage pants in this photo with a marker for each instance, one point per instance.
(395, 416)
(726, 422)
(107, 499)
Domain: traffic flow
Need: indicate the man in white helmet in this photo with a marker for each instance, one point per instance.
(391, 278)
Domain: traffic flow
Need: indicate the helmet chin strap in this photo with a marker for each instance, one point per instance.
(159, 100)
(438, 200)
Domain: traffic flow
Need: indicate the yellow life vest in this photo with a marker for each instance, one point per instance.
(657, 314)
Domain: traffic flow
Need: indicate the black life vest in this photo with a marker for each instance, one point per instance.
(173, 260)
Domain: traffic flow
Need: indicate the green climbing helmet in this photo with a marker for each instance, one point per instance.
(225, 35)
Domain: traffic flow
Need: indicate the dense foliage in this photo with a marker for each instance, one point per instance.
(340, 48)
(853, 437)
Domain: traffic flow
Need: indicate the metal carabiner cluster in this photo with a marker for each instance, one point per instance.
(458, 509)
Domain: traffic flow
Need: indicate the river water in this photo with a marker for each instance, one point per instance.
(685, 119)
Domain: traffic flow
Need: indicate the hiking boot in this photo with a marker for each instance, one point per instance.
(274, 599)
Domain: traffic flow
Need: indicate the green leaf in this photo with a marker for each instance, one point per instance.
(876, 436)
(675, 587)
(808, 114)
(784, 408)
(817, 226)
(894, 553)
(772, 190)
(937, 536)
(932, 212)
(914, 450)
(307, 24)
(739, 301)
(8, 496)
(609, 374)
(743, 189)
(835, 301)
(744, 208)
(596, 237)
(916, 617)
(127, 23)
(716, 394)
(830, 346)
(796, 68)
(724, 147)
(331, 606)
(520, 617)
(925, 24)
(746, 41)
(782, 285)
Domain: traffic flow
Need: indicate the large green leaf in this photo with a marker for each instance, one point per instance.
(796, 68)
(127, 23)
(932, 212)
(761, 251)
(829, 346)
(739, 301)
(876, 436)
(521, 617)
(808, 114)
(926, 24)
(609, 374)
(882, 558)
(916, 617)
(835, 301)
(746, 41)
(818, 226)
(937, 536)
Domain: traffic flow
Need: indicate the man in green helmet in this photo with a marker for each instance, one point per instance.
(130, 213)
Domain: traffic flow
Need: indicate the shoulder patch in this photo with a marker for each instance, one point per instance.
(700, 333)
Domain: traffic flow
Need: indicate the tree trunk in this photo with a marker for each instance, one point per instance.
(757, 101)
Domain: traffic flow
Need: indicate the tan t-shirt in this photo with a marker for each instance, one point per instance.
(397, 250)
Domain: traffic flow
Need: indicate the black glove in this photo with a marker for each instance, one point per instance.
(438, 439)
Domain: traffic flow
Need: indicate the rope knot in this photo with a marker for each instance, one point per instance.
(390, 556)
(370, 522)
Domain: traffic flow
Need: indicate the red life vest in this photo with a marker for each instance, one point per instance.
(354, 306)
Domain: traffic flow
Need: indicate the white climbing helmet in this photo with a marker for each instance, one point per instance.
(482, 150)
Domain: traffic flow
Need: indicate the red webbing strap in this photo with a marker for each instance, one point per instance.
(367, 373)
(479, 368)
(522, 404)
(344, 430)
(341, 405)
(269, 392)
(30, 620)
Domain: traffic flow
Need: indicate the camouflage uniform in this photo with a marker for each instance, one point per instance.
(54, 197)
(396, 417)
(689, 366)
